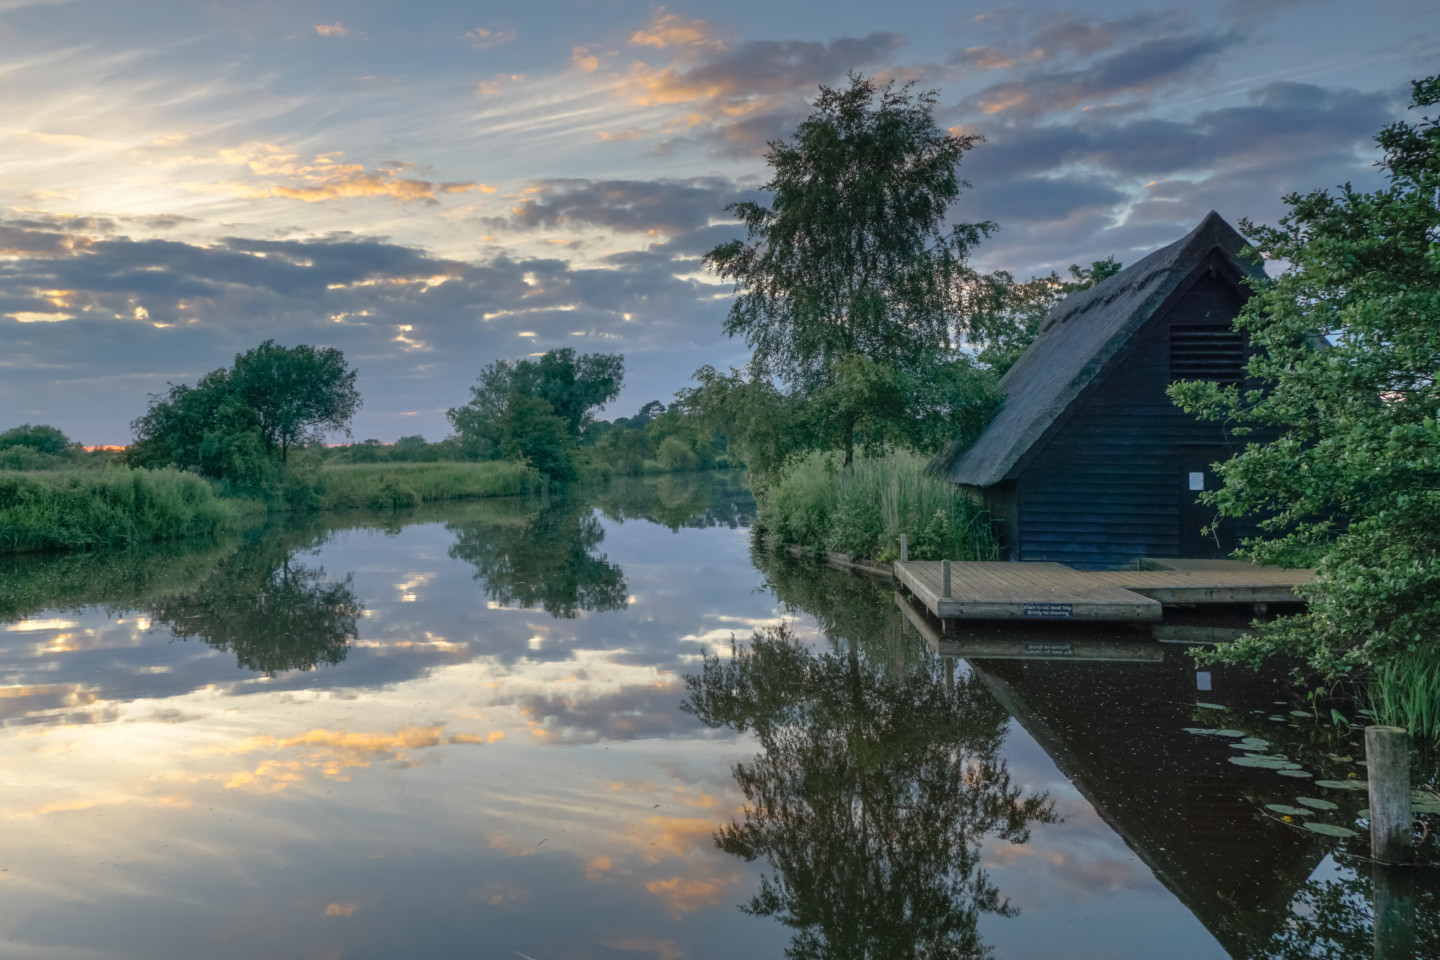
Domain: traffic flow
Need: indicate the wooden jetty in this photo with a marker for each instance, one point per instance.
(1053, 591)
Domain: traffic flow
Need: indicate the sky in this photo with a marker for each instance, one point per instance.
(432, 186)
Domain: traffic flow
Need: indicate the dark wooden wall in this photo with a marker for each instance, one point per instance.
(1109, 484)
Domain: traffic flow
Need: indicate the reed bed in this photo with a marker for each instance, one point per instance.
(1405, 692)
(392, 486)
(70, 510)
(816, 504)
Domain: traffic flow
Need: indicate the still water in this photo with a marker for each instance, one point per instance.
(520, 729)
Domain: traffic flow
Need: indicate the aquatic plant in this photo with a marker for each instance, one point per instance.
(1404, 691)
(863, 512)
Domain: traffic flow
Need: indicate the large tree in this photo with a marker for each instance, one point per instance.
(296, 393)
(537, 411)
(234, 424)
(855, 257)
(1352, 478)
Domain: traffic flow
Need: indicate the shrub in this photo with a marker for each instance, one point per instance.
(676, 456)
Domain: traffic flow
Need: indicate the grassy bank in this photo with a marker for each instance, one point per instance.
(77, 510)
(815, 504)
(393, 486)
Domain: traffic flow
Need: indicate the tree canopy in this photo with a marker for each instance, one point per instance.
(536, 411)
(234, 424)
(40, 438)
(1351, 479)
(849, 282)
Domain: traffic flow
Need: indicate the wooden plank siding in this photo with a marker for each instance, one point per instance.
(1108, 485)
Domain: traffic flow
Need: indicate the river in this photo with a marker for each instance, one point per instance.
(520, 729)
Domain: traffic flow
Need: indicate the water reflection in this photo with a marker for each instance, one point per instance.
(869, 800)
(274, 612)
(545, 558)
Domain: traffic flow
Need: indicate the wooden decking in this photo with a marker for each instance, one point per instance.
(1053, 591)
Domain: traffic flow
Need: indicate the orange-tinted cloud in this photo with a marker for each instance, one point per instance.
(327, 177)
(671, 30)
(336, 29)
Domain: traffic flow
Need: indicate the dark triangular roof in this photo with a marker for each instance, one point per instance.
(1076, 340)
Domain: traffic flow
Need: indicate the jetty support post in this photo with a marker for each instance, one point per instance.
(1394, 912)
(904, 549)
(945, 579)
(1387, 759)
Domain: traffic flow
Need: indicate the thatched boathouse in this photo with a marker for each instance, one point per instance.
(1088, 462)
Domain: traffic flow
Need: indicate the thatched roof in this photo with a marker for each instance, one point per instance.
(1083, 333)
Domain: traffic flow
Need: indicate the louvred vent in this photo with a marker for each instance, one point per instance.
(1207, 353)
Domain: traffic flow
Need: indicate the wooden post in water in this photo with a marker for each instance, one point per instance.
(1394, 912)
(904, 549)
(1387, 759)
(945, 579)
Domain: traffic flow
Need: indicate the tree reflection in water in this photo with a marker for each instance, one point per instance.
(272, 612)
(544, 559)
(870, 798)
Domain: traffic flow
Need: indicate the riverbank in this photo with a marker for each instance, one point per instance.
(120, 506)
(75, 510)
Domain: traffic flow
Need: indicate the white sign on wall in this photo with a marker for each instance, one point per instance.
(1197, 481)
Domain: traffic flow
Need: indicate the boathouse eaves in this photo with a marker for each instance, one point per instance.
(1076, 341)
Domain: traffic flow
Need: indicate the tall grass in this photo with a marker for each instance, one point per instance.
(1405, 692)
(72, 509)
(391, 486)
(815, 504)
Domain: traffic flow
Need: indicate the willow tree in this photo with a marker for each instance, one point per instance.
(855, 257)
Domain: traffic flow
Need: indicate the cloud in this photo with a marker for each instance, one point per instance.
(147, 311)
(671, 30)
(336, 29)
(1074, 191)
(669, 208)
(734, 97)
(1140, 69)
(327, 177)
(497, 83)
(480, 38)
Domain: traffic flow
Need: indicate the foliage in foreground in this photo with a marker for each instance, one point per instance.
(817, 504)
(1354, 476)
(401, 485)
(71, 510)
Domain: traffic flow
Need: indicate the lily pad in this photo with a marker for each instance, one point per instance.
(1289, 811)
(1259, 760)
(1299, 713)
(1228, 733)
(1295, 773)
(1317, 803)
(1356, 785)
(1210, 706)
(1252, 743)
(1329, 829)
(1276, 717)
